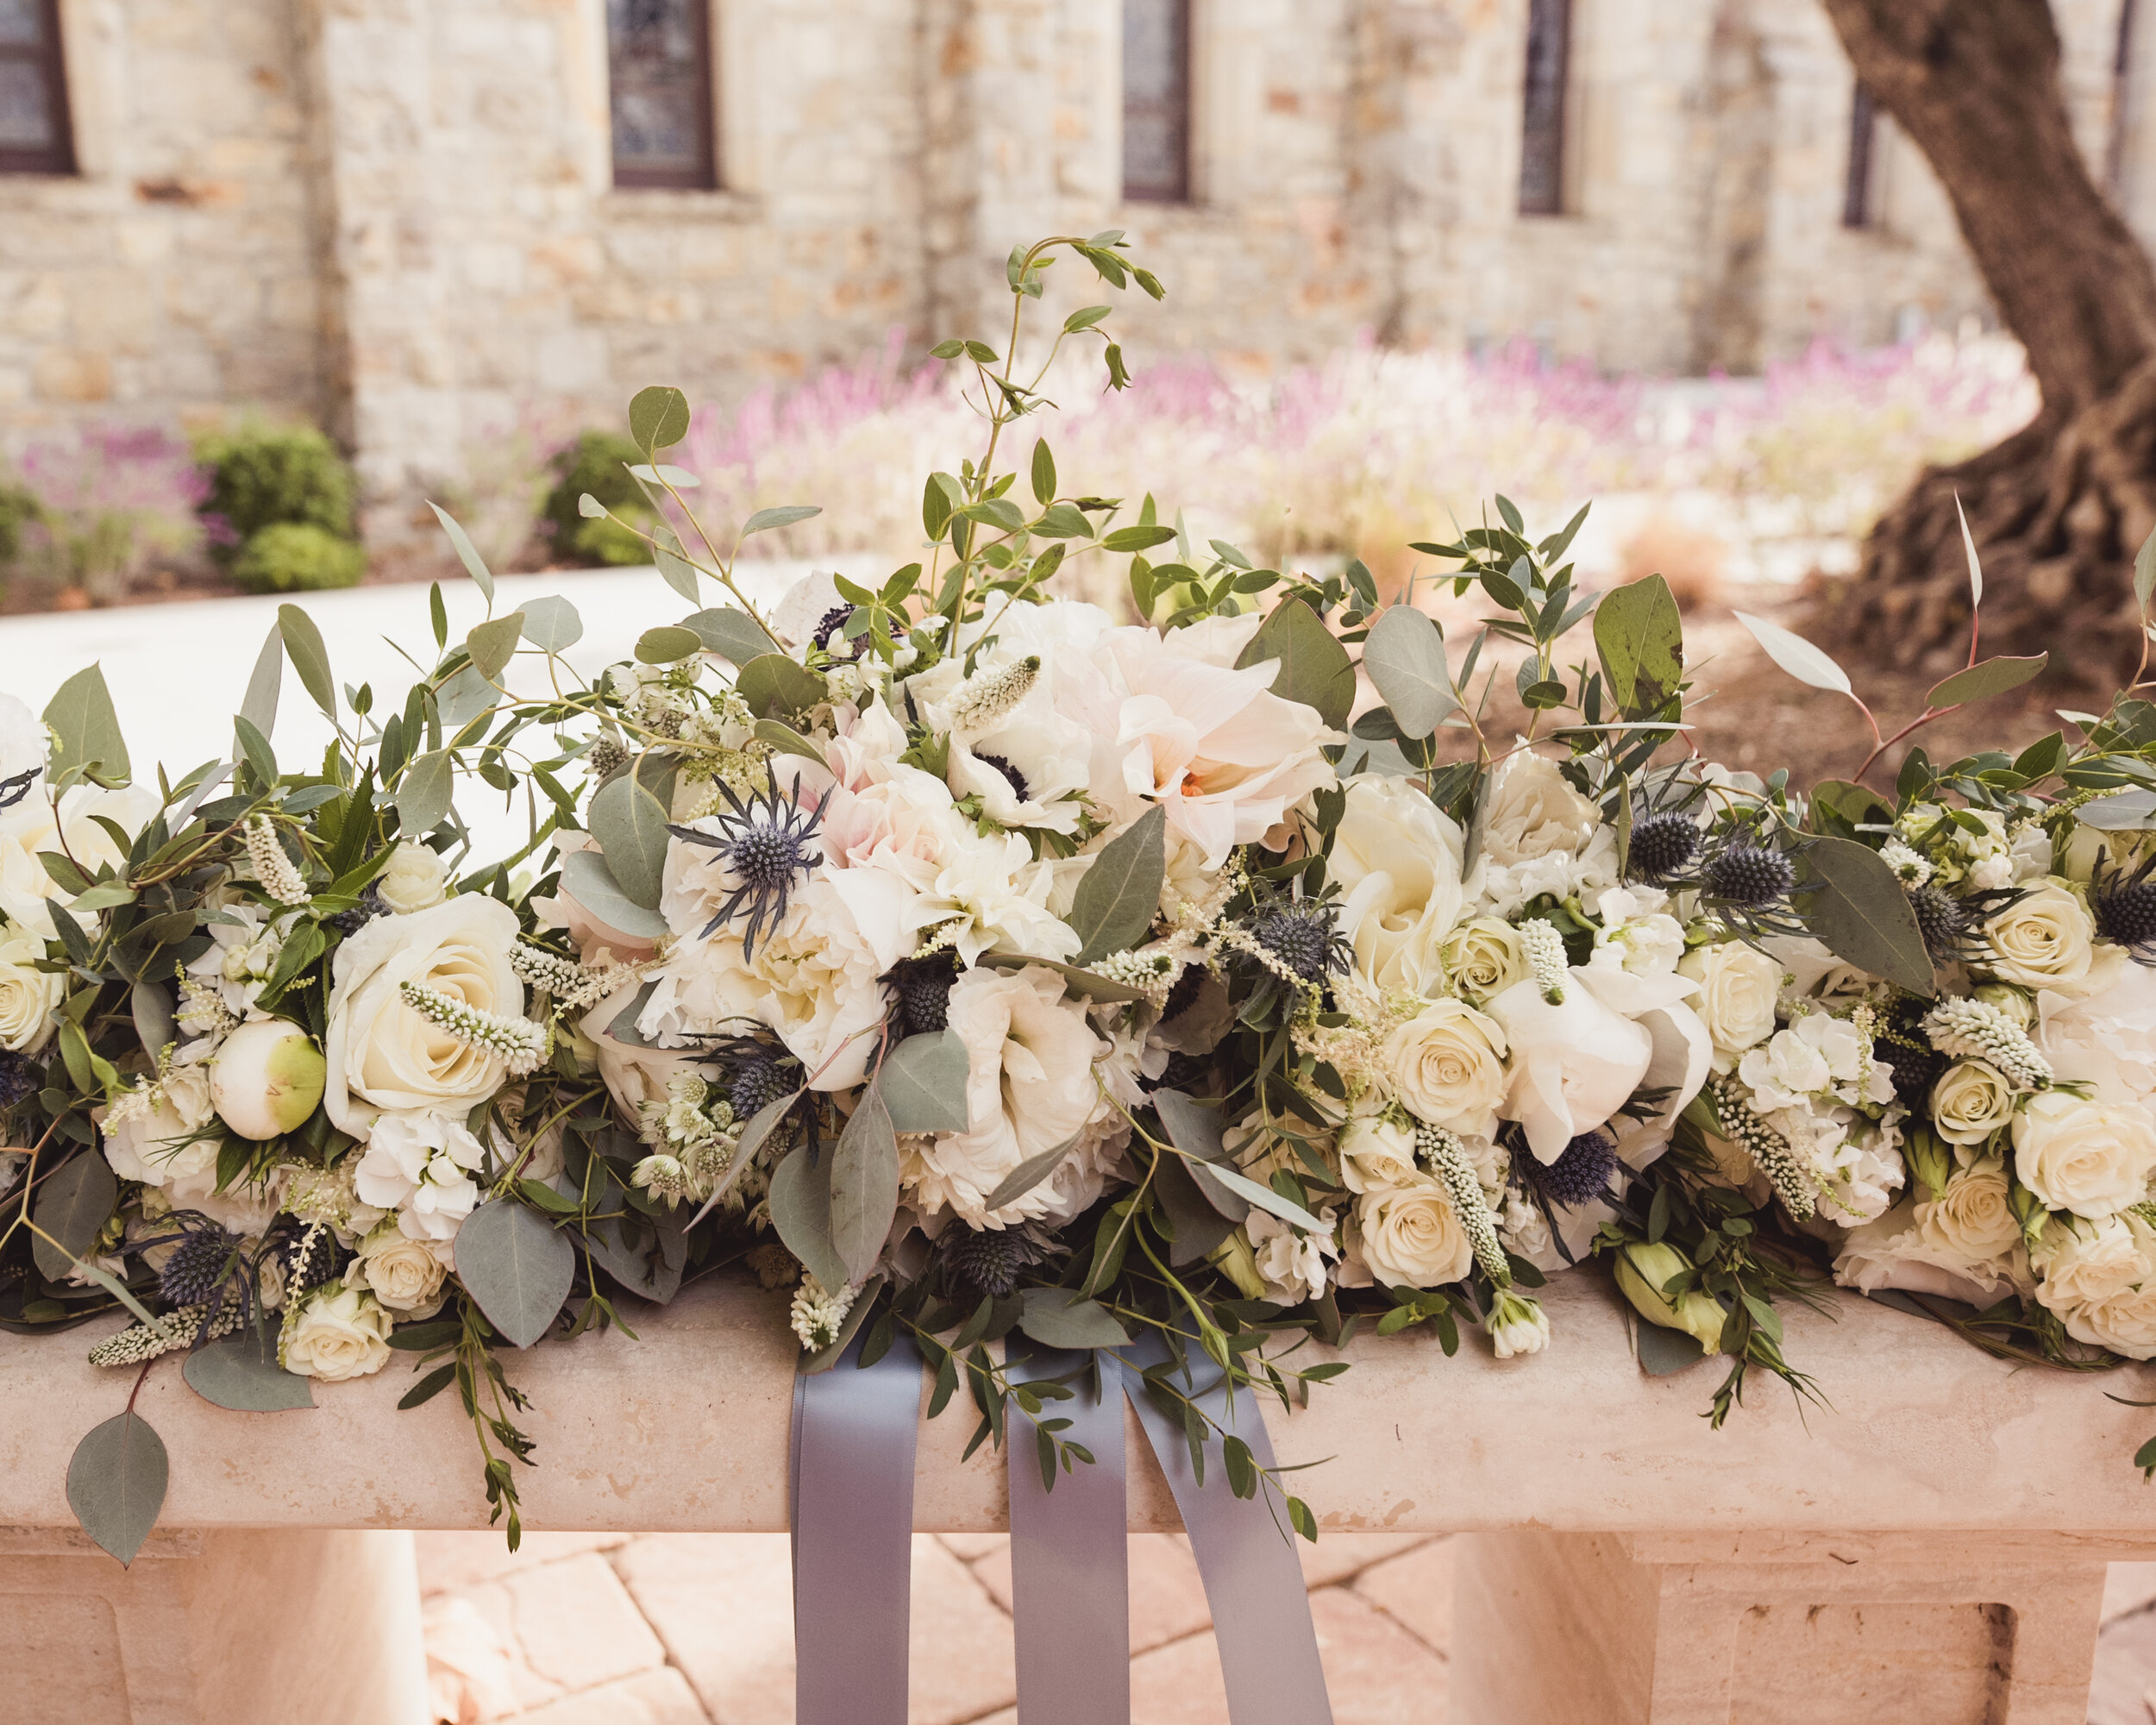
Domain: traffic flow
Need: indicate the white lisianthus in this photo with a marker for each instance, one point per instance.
(1447, 1065)
(29, 997)
(384, 1056)
(2100, 1277)
(1894, 1250)
(339, 1332)
(420, 1165)
(1292, 1265)
(406, 1274)
(414, 879)
(30, 826)
(1396, 858)
(1970, 1101)
(1572, 1065)
(997, 896)
(1645, 938)
(2045, 939)
(2092, 1157)
(1737, 988)
(1535, 834)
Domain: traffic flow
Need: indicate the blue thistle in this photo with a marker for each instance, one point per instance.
(1579, 1176)
(764, 843)
(2124, 907)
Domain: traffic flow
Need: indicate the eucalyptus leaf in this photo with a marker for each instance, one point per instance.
(924, 1083)
(1198, 1225)
(586, 878)
(72, 1206)
(239, 1371)
(733, 635)
(1969, 545)
(786, 740)
(491, 643)
(1315, 668)
(1404, 657)
(658, 417)
(784, 516)
(1064, 1318)
(116, 1484)
(800, 1203)
(1263, 1197)
(151, 1006)
(517, 1266)
(1085, 984)
(423, 793)
(1856, 905)
(551, 624)
(631, 826)
(305, 646)
(464, 698)
(646, 1256)
(86, 730)
(1663, 1352)
(667, 645)
(1795, 655)
(2129, 812)
(864, 1193)
(1194, 1129)
(772, 682)
(258, 706)
(1027, 1174)
(1981, 681)
(677, 571)
(1640, 638)
(2145, 575)
(467, 552)
(1119, 896)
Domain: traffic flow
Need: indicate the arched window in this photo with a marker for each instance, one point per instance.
(35, 136)
(658, 57)
(1157, 100)
(1542, 108)
(1858, 201)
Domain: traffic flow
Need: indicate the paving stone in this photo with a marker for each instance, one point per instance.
(1335, 1557)
(2129, 1587)
(652, 1697)
(509, 1688)
(1415, 1590)
(1377, 1672)
(577, 1625)
(449, 1560)
(1179, 1685)
(972, 1547)
(724, 1606)
(1168, 1598)
(962, 1664)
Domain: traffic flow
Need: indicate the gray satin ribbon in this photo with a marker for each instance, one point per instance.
(851, 1492)
(1069, 1550)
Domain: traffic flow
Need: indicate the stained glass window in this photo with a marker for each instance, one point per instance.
(1157, 100)
(1542, 112)
(659, 56)
(33, 131)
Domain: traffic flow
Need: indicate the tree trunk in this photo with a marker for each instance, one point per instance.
(2059, 509)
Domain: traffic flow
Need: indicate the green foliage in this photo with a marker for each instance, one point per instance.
(263, 476)
(19, 508)
(293, 556)
(597, 465)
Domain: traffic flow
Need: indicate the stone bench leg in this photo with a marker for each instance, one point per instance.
(242, 1628)
(1792, 1629)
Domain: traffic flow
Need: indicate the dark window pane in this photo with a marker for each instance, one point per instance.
(1157, 100)
(1542, 113)
(34, 135)
(659, 59)
(1863, 135)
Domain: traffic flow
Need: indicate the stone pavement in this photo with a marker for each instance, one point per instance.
(696, 1630)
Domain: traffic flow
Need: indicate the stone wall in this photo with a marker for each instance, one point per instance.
(397, 216)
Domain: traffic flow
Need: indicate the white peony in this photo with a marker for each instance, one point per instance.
(420, 1165)
(340, 1332)
(2104, 1038)
(2091, 1157)
(1572, 1065)
(1535, 834)
(29, 997)
(1737, 988)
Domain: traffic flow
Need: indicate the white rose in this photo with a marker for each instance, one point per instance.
(1573, 1065)
(2100, 1278)
(28, 997)
(1530, 811)
(382, 1055)
(1738, 986)
(1895, 1252)
(1411, 1236)
(29, 826)
(1970, 1101)
(1376, 1152)
(420, 1165)
(414, 878)
(1396, 859)
(406, 1275)
(1973, 1219)
(2044, 940)
(340, 1332)
(1483, 956)
(2091, 1157)
(1447, 1065)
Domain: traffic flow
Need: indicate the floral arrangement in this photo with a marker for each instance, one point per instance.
(969, 961)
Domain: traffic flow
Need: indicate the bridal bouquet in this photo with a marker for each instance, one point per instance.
(969, 960)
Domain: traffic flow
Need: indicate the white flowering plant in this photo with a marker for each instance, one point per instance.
(969, 961)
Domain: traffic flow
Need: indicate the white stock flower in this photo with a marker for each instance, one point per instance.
(420, 1165)
(340, 1332)
(1737, 988)
(414, 879)
(1291, 1265)
(2091, 1157)
(1447, 1065)
(29, 997)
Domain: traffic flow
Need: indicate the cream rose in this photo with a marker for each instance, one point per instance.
(382, 1055)
(340, 1332)
(2091, 1157)
(1447, 1065)
(2100, 1278)
(1411, 1235)
(1737, 987)
(1973, 1219)
(414, 878)
(1484, 957)
(1376, 1152)
(2044, 940)
(1970, 1101)
(28, 997)
(406, 1276)
(1396, 858)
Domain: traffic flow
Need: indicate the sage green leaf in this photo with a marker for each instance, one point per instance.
(1029, 1173)
(1085, 984)
(492, 642)
(73, 1205)
(116, 1484)
(586, 878)
(254, 749)
(464, 698)
(786, 740)
(1640, 638)
(800, 1204)
(631, 826)
(1981, 681)
(784, 516)
(679, 478)
(679, 572)
(309, 657)
(240, 1372)
(1064, 1318)
(760, 1125)
(645, 1255)
(1044, 473)
(1119, 896)
(1404, 657)
(733, 635)
(1663, 1352)
(772, 682)
(1315, 668)
(259, 705)
(667, 645)
(1263, 1197)
(1064, 521)
(423, 793)
(1858, 804)
(86, 730)
(152, 1008)
(1794, 654)
(2127, 811)
(924, 1083)
(658, 419)
(864, 1185)
(517, 1266)
(1194, 1129)
(1856, 905)
(1198, 1225)
(551, 624)
(467, 552)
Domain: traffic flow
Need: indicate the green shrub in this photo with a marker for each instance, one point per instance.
(19, 507)
(263, 476)
(294, 557)
(598, 462)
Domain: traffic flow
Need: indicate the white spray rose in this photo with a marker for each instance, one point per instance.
(1738, 986)
(340, 1332)
(1376, 1152)
(1483, 956)
(1447, 1065)
(406, 1274)
(28, 997)
(1411, 1235)
(414, 879)
(2091, 1157)
(1972, 1220)
(1970, 1101)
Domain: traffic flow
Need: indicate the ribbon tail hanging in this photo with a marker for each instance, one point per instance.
(850, 1494)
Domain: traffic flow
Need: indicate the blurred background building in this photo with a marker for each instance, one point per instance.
(410, 220)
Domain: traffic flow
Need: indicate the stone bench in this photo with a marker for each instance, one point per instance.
(1931, 1547)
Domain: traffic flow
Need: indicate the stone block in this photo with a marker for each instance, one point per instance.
(1415, 1590)
(652, 1697)
(740, 1659)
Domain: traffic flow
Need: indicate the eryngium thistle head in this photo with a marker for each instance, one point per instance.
(756, 1083)
(764, 843)
(2125, 907)
(349, 923)
(1940, 919)
(1748, 875)
(1914, 1071)
(923, 988)
(206, 1258)
(18, 1077)
(1663, 844)
(1580, 1174)
(1303, 935)
(990, 1260)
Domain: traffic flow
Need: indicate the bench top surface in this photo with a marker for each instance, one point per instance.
(686, 1428)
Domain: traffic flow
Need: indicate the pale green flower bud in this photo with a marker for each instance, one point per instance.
(1643, 1271)
(1233, 1259)
(266, 1078)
